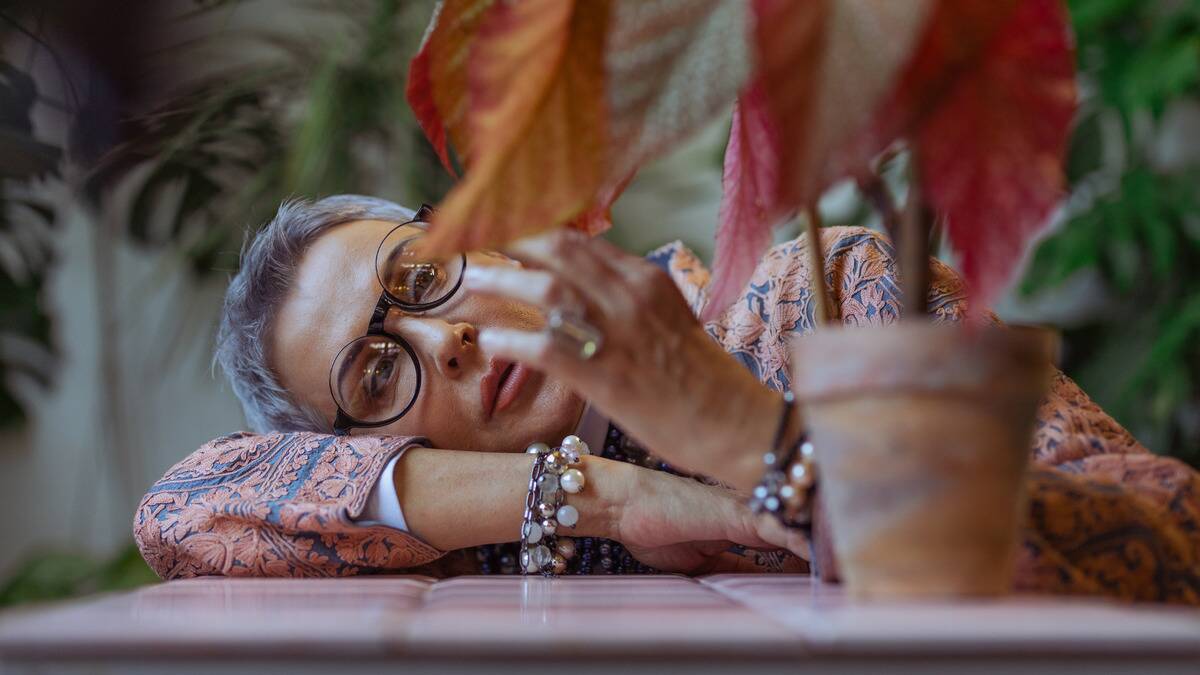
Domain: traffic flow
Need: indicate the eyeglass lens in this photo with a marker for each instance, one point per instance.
(374, 379)
(410, 278)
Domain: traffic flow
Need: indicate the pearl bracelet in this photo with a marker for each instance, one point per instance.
(554, 473)
(786, 488)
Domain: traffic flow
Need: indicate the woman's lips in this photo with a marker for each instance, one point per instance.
(500, 386)
(510, 386)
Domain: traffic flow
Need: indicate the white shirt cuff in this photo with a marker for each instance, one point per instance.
(383, 506)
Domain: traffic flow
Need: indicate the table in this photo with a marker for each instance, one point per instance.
(410, 624)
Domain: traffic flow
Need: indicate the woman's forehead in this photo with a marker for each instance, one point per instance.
(342, 262)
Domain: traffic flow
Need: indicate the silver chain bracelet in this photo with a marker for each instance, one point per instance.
(543, 550)
(786, 488)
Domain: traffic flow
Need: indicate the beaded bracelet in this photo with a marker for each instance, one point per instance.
(785, 490)
(542, 549)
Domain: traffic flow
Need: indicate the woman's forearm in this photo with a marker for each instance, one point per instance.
(455, 499)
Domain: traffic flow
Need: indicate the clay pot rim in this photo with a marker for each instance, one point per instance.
(920, 358)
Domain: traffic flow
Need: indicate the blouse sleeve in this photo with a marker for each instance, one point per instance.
(1107, 516)
(274, 505)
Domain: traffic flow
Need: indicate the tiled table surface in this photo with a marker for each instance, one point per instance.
(721, 619)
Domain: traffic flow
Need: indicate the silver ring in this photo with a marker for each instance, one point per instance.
(583, 339)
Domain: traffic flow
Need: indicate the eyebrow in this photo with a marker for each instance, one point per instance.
(351, 359)
(397, 251)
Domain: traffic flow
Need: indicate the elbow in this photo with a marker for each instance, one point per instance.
(151, 538)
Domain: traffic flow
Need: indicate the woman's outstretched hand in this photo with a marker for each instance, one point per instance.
(657, 372)
(677, 524)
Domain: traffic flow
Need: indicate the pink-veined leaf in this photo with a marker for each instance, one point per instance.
(750, 182)
(670, 68)
(825, 66)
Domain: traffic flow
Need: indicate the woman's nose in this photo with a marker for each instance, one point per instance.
(452, 347)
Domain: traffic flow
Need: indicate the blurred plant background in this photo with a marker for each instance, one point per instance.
(136, 150)
(1133, 223)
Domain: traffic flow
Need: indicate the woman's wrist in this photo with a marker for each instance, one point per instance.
(455, 499)
(602, 501)
(739, 426)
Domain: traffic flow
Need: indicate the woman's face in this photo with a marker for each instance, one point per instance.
(468, 400)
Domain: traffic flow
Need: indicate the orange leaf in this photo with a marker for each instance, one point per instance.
(598, 218)
(419, 92)
(437, 75)
(669, 69)
(535, 124)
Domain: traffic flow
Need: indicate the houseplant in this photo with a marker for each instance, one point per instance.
(550, 106)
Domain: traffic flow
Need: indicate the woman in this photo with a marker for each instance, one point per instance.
(491, 379)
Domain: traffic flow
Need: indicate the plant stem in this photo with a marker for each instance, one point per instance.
(913, 251)
(816, 265)
(875, 190)
(880, 197)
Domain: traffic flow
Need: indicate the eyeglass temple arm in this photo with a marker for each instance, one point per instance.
(342, 424)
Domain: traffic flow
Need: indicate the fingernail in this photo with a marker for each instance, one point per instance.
(474, 275)
(488, 340)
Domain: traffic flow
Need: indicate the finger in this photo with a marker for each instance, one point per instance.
(742, 529)
(533, 287)
(539, 350)
(558, 249)
(770, 529)
(573, 256)
(630, 267)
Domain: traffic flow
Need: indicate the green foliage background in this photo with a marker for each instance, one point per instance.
(1135, 221)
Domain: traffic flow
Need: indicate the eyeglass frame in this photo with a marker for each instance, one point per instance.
(343, 422)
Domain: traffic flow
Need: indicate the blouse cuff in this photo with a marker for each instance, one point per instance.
(383, 506)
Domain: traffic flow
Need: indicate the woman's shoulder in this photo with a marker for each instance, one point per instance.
(860, 246)
(840, 241)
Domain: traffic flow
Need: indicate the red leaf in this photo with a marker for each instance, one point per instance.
(988, 102)
(598, 218)
(825, 66)
(437, 76)
(535, 124)
(749, 183)
(419, 93)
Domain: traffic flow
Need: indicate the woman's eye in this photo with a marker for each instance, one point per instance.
(419, 280)
(380, 376)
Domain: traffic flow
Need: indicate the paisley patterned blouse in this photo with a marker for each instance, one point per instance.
(1106, 516)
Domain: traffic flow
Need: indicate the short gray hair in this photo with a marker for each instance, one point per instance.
(258, 290)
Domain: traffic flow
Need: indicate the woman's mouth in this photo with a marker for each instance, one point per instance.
(501, 385)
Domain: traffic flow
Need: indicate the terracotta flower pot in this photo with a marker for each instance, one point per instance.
(922, 436)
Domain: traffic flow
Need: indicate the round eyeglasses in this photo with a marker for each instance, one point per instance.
(376, 379)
